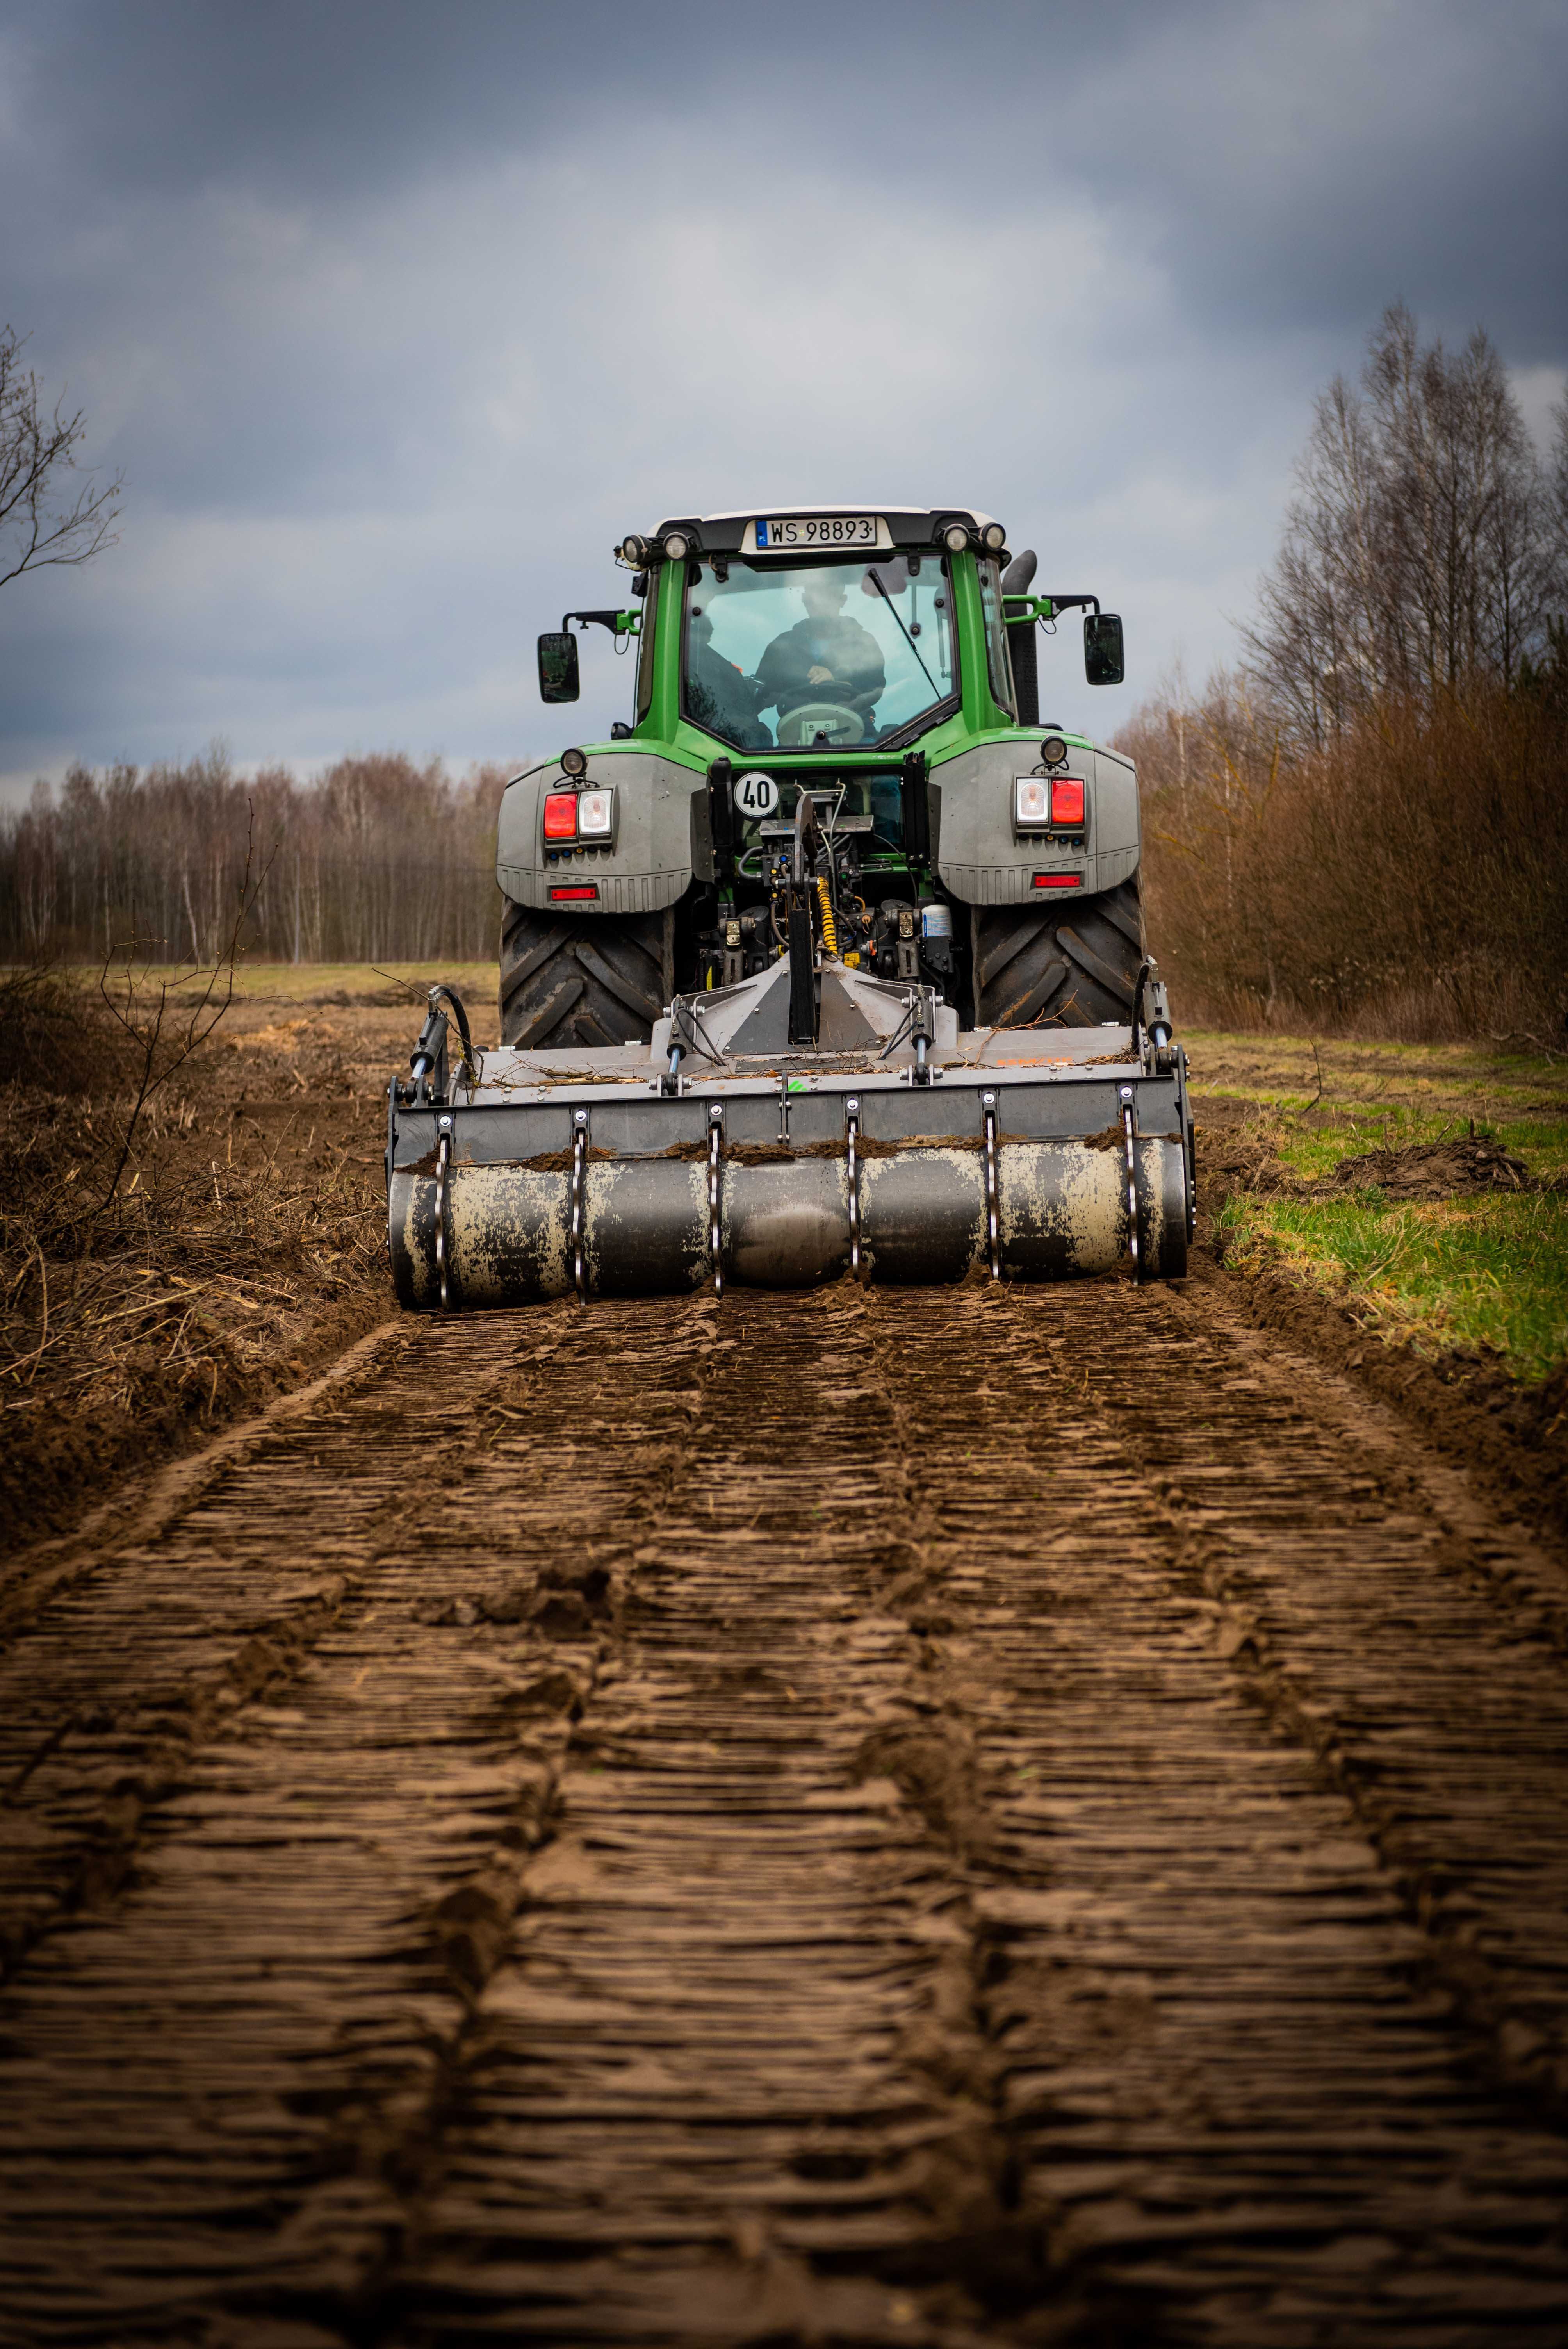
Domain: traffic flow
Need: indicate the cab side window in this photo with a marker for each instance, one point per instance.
(1000, 666)
(645, 654)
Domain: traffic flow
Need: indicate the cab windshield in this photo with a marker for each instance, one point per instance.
(819, 657)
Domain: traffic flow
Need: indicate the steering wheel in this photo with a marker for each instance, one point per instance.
(842, 725)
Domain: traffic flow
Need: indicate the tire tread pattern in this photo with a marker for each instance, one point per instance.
(594, 982)
(1072, 972)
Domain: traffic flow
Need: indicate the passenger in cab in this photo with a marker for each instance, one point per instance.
(719, 695)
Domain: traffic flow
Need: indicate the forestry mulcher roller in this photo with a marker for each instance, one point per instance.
(830, 961)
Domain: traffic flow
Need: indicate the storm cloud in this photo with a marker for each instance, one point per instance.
(395, 319)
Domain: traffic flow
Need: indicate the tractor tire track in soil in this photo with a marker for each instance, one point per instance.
(945, 1818)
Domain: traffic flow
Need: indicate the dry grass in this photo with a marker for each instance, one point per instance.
(1409, 880)
(242, 1243)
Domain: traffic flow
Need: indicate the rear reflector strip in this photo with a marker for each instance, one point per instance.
(576, 895)
(1058, 881)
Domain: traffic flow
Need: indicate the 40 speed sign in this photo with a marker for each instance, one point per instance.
(756, 795)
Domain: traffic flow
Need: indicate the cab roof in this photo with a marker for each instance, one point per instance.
(909, 525)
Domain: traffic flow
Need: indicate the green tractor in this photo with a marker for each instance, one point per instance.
(884, 664)
(830, 962)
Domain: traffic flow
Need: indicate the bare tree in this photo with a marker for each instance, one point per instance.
(1420, 550)
(139, 1004)
(1558, 490)
(40, 521)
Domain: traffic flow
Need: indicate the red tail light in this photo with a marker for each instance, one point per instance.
(1058, 881)
(578, 892)
(1066, 799)
(561, 815)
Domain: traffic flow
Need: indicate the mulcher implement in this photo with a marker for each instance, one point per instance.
(718, 1152)
(831, 963)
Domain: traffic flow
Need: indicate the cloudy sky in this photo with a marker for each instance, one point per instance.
(395, 318)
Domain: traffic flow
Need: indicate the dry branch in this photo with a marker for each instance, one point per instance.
(40, 523)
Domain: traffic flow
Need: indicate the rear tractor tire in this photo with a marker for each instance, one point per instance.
(594, 981)
(1074, 966)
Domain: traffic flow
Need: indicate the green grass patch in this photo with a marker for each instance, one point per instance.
(1484, 1275)
(1480, 1274)
(1313, 1151)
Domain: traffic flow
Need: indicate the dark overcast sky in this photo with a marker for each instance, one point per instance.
(394, 317)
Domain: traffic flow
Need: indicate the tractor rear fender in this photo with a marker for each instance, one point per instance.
(985, 862)
(650, 865)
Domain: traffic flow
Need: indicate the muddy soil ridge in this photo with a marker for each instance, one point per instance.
(951, 1817)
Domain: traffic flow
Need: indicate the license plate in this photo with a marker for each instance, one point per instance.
(815, 530)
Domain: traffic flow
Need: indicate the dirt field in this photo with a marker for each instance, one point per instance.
(943, 1818)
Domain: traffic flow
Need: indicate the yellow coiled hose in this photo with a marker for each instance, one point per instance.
(830, 926)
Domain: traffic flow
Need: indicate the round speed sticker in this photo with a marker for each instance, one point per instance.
(756, 795)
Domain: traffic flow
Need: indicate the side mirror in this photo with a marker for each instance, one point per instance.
(1104, 662)
(557, 678)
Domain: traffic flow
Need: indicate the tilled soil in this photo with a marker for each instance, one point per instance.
(1437, 1169)
(937, 1816)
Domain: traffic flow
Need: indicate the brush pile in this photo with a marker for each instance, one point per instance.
(169, 1258)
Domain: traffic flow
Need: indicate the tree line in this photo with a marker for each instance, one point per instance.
(376, 859)
(1365, 823)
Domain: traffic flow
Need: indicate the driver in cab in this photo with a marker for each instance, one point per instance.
(825, 658)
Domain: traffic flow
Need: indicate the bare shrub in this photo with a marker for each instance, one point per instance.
(52, 1037)
(1408, 878)
(167, 1262)
(151, 1284)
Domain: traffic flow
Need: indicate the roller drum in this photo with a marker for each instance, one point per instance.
(647, 1226)
(922, 1215)
(785, 1224)
(1160, 1176)
(507, 1235)
(1063, 1209)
